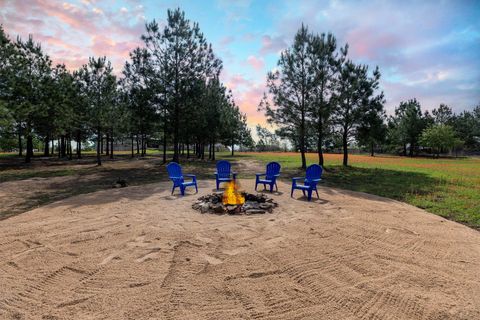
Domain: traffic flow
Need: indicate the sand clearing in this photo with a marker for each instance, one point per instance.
(139, 253)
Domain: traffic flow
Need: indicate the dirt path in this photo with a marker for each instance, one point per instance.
(139, 253)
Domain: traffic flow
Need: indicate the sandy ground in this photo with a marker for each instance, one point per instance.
(139, 253)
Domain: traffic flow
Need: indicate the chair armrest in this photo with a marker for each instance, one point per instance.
(315, 180)
(298, 178)
(175, 177)
(234, 174)
(277, 175)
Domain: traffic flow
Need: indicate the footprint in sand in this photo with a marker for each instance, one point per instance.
(234, 252)
(204, 239)
(212, 260)
(149, 255)
(113, 256)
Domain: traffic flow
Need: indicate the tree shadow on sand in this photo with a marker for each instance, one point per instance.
(393, 184)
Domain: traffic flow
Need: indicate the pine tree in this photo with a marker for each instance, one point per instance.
(98, 85)
(325, 65)
(356, 92)
(291, 89)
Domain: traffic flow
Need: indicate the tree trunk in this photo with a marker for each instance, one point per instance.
(203, 151)
(233, 147)
(63, 145)
(46, 150)
(210, 151)
(404, 149)
(53, 147)
(138, 147)
(133, 149)
(79, 145)
(29, 153)
(144, 139)
(319, 150)
(101, 145)
(70, 151)
(188, 150)
(20, 146)
(302, 141)
(111, 145)
(175, 135)
(213, 150)
(99, 148)
(345, 149)
(107, 144)
(372, 149)
(411, 149)
(164, 147)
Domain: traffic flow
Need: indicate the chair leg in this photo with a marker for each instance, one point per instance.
(310, 194)
(271, 187)
(182, 190)
(256, 184)
(291, 194)
(317, 193)
(276, 187)
(173, 189)
(196, 188)
(303, 192)
(217, 185)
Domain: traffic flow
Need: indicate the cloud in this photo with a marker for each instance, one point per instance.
(420, 47)
(256, 63)
(225, 41)
(273, 44)
(66, 30)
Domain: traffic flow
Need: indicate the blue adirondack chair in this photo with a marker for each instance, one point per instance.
(175, 174)
(271, 175)
(312, 177)
(224, 172)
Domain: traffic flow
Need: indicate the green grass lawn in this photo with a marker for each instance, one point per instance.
(447, 187)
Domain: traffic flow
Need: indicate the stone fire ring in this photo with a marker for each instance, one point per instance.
(254, 204)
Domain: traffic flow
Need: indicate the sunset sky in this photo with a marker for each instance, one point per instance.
(425, 49)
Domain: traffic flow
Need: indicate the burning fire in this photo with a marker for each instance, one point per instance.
(231, 194)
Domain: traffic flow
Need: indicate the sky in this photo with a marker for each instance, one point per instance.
(428, 50)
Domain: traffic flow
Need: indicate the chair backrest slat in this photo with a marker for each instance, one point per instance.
(174, 170)
(223, 169)
(273, 168)
(314, 171)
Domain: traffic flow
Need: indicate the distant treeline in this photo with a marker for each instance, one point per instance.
(320, 100)
(169, 91)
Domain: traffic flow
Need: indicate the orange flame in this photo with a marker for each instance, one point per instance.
(231, 194)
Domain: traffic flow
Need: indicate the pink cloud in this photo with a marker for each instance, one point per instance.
(272, 44)
(256, 63)
(236, 81)
(70, 33)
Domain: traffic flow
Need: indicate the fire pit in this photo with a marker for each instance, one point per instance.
(232, 201)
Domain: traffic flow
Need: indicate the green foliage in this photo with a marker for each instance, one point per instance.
(439, 137)
(290, 86)
(407, 125)
(467, 127)
(372, 129)
(315, 91)
(99, 89)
